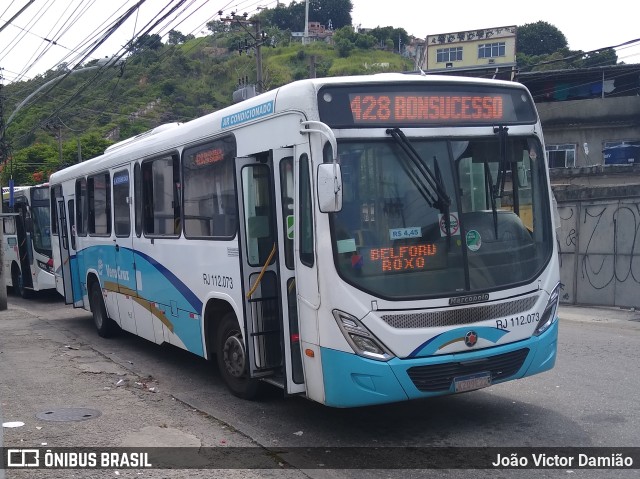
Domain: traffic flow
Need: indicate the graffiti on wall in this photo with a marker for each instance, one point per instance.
(599, 248)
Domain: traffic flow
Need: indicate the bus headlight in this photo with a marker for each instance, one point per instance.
(550, 311)
(363, 342)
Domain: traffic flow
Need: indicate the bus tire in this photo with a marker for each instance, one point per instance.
(104, 325)
(18, 284)
(233, 361)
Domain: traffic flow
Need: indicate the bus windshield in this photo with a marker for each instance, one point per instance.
(432, 218)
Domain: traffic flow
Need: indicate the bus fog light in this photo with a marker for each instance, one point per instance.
(360, 338)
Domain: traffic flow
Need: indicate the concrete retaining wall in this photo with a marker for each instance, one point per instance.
(599, 245)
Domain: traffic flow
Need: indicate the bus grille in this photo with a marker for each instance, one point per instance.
(438, 377)
(457, 316)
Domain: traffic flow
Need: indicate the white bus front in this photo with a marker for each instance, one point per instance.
(443, 247)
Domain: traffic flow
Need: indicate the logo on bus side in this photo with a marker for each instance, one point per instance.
(117, 273)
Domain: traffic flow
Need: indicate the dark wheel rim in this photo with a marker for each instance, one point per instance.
(233, 355)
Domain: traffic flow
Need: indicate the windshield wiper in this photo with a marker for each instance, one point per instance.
(439, 198)
(447, 218)
(492, 196)
(497, 191)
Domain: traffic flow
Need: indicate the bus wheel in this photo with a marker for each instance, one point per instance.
(104, 325)
(18, 284)
(233, 361)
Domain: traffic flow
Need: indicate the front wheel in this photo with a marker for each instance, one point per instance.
(18, 284)
(104, 325)
(233, 361)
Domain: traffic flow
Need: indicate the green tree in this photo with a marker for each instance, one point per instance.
(600, 58)
(175, 37)
(366, 41)
(147, 42)
(93, 145)
(25, 162)
(384, 34)
(336, 13)
(564, 59)
(216, 26)
(539, 38)
(344, 40)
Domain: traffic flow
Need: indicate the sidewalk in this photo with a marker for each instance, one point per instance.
(67, 394)
(600, 314)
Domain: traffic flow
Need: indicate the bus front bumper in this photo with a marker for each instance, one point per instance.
(351, 380)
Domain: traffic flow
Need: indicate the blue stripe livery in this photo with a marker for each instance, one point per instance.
(169, 295)
(438, 342)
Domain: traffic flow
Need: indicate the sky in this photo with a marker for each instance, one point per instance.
(49, 32)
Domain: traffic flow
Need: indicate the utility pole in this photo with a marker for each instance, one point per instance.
(4, 146)
(258, 44)
(258, 37)
(3, 159)
(312, 66)
(305, 39)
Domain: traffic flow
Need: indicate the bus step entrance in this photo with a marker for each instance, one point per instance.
(265, 315)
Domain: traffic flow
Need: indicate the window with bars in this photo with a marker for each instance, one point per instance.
(561, 156)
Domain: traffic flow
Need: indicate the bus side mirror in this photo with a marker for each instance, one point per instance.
(329, 188)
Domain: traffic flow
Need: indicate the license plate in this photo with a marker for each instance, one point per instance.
(473, 381)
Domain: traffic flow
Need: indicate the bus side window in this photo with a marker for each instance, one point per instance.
(9, 226)
(99, 196)
(72, 225)
(137, 194)
(209, 206)
(56, 192)
(121, 208)
(81, 207)
(160, 196)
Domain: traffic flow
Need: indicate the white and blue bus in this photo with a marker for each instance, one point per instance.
(356, 240)
(28, 259)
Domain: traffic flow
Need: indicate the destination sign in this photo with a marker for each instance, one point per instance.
(400, 108)
(381, 105)
(402, 258)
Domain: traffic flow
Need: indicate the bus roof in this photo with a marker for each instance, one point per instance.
(21, 189)
(296, 96)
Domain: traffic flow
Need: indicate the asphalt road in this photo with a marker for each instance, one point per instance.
(590, 399)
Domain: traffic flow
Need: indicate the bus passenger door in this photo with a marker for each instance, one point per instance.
(260, 258)
(125, 271)
(66, 288)
(283, 159)
(74, 269)
(25, 255)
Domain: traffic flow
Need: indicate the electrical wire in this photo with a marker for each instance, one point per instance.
(48, 43)
(150, 25)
